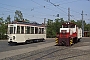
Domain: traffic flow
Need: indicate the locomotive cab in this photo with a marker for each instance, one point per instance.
(69, 29)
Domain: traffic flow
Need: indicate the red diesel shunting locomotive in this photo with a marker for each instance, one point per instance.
(69, 34)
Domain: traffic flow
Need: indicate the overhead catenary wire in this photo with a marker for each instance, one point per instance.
(23, 12)
(38, 4)
(68, 2)
(47, 8)
(44, 6)
(31, 10)
(59, 5)
(66, 9)
(10, 11)
(61, 9)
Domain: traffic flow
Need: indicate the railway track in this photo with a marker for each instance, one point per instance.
(74, 52)
(51, 53)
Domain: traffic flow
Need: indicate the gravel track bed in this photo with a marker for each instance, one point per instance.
(51, 53)
(35, 54)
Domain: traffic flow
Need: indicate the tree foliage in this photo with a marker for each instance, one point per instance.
(18, 16)
(8, 19)
(54, 27)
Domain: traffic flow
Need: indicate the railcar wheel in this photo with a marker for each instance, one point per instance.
(12, 44)
(35, 40)
(41, 40)
(28, 42)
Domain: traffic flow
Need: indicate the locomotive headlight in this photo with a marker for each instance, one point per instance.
(13, 37)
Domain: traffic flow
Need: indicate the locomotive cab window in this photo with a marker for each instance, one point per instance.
(65, 26)
(68, 26)
(72, 26)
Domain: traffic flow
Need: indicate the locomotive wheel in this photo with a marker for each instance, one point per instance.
(78, 40)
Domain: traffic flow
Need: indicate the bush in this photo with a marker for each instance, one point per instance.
(3, 37)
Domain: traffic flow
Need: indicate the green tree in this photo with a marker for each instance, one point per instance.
(49, 28)
(2, 28)
(57, 24)
(73, 21)
(18, 16)
(1, 20)
(54, 27)
(8, 19)
(79, 23)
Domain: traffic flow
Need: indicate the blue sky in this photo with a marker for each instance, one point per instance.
(37, 10)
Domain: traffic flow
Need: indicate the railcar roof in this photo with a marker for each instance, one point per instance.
(27, 23)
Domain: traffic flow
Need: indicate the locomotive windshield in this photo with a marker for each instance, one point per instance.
(69, 25)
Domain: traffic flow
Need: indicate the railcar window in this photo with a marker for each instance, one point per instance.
(18, 29)
(39, 30)
(36, 30)
(28, 30)
(42, 30)
(11, 30)
(14, 29)
(25, 29)
(32, 30)
(22, 29)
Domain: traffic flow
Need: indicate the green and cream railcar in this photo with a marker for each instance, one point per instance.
(26, 33)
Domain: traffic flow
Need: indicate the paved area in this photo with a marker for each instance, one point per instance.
(24, 50)
(5, 47)
(79, 51)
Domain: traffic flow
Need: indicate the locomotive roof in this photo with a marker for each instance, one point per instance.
(68, 23)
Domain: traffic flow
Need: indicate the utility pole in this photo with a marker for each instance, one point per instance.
(82, 25)
(45, 24)
(44, 21)
(68, 14)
